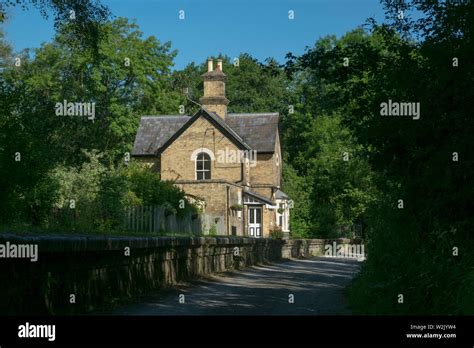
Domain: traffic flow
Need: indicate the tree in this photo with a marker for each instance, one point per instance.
(84, 16)
(298, 188)
(129, 77)
(321, 148)
(412, 243)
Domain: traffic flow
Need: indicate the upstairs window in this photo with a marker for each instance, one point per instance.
(203, 166)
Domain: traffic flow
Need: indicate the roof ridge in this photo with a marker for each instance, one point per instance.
(227, 126)
(163, 116)
(250, 130)
(254, 114)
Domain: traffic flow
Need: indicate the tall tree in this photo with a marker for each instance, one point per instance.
(128, 77)
(321, 148)
(424, 165)
(84, 16)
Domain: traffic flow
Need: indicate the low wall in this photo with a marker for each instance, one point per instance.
(98, 271)
(296, 248)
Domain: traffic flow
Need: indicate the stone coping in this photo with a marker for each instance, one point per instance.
(52, 243)
(111, 243)
(323, 241)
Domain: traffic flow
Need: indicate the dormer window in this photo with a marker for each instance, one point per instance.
(203, 166)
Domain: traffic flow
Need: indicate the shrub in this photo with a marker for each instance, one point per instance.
(213, 231)
(276, 232)
(148, 187)
(93, 197)
(236, 207)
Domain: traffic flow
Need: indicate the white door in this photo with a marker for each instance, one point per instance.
(255, 222)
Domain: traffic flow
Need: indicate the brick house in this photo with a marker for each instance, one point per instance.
(231, 163)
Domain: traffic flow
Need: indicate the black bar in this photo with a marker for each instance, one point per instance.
(238, 330)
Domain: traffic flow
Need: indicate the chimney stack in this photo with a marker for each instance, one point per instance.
(210, 65)
(214, 99)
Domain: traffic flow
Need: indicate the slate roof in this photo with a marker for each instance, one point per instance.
(256, 131)
(154, 131)
(279, 194)
(228, 128)
(259, 197)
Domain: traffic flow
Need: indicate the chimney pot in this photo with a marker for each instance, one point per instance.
(219, 64)
(210, 64)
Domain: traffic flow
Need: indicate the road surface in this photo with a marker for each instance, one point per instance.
(316, 285)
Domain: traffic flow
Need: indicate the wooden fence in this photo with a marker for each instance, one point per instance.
(156, 219)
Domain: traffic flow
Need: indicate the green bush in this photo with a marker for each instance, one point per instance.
(276, 232)
(212, 231)
(149, 189)
(93, 197)
(401, 260)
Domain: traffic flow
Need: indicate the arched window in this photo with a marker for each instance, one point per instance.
(203, 166)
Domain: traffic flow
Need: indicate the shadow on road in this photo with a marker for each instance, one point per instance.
(315, 284)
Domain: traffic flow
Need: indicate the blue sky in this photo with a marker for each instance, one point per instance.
(210, 27)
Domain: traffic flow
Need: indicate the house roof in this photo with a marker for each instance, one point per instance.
(256, 131)
(154, 131)
(259, 197)
(259, 130)
(227, 127)
(279, 194)
(216, 121)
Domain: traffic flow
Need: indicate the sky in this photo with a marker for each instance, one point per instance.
(210, 27)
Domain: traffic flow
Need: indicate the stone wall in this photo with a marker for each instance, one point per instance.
(268, 170)
(176, 163)
(296, 248)
(98, 271)
(219, 197)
